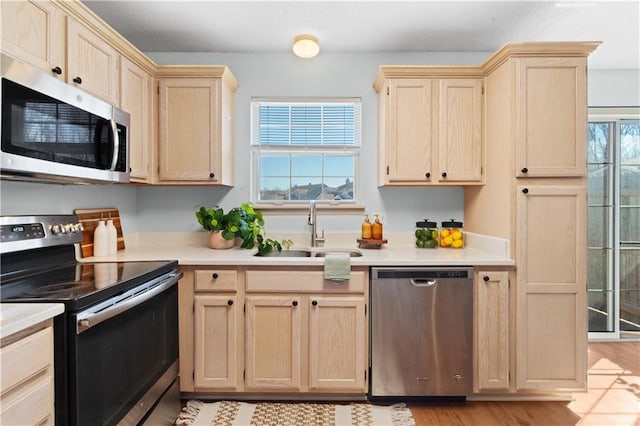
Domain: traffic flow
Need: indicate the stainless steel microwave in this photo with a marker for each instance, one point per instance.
(54, 132)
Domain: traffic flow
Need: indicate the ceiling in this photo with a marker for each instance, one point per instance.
(376, 26)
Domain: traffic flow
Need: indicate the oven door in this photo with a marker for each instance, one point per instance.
(119, 351)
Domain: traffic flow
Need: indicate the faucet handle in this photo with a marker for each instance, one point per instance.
(320, 240)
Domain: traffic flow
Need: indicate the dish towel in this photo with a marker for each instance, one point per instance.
(337, 266)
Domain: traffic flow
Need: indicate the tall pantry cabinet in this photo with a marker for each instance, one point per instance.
(535, 197)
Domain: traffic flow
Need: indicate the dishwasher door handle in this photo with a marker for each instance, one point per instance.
(423, 282)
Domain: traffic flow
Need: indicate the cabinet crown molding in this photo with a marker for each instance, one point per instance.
(199, 71)
(529, 49)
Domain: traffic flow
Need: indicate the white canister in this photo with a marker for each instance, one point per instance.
(113, 237)
(101, 240)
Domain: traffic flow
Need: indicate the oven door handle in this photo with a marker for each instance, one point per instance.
(91, 318)
(116, 144)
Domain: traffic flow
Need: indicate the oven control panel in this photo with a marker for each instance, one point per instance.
(29, 232)
(19, 232)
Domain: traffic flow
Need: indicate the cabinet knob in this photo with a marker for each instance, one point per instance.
(212, 175)
(294, 303)
(444, 174)
(56, 70)
(230, 302)
(314, 303)
(524, 170)
(486, 278)
(525, 190)
(427, 175)
(215, 276)
(77, 80)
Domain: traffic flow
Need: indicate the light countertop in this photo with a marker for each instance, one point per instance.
(15, 317)
(192, 249)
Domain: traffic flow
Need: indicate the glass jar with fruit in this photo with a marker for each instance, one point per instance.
(452, 234)
(426, 234)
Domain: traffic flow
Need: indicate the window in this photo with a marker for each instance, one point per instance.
(614, 222)
(305, 150)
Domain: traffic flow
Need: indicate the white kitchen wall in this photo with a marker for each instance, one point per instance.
(146, 208)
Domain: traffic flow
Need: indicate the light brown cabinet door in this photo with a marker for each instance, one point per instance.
(408, 144)
(216, 340)
(460, 130)
(337, 344)
(34, 32)
(551, 337)
(492, 330)
(93, 64)
(188, 126)
(273, 342)
(136, 99)
(551, 116)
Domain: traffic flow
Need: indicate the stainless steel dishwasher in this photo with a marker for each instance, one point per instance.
(421, 332)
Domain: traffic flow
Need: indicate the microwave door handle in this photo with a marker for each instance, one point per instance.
(116, 144)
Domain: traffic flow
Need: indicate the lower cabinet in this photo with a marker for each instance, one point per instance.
(273, 330)
(26, 391)
(491, 331)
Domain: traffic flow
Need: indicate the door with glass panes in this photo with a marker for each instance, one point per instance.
(613, 223)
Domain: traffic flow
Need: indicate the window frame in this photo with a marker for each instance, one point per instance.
(293, 206)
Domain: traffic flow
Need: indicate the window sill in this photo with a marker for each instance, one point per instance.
(324, 207)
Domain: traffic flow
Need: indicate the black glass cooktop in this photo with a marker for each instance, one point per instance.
(81, 284)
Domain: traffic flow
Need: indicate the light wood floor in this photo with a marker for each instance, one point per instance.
(613, 398)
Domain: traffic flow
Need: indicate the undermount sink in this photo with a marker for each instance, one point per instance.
(308, 253)
(286, 253)
(351, 253)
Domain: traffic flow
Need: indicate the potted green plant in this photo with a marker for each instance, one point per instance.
(242, 222)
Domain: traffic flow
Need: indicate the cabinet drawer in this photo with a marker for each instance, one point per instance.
(216, 280)
(26, 357)
(31, 404)
(303, 281)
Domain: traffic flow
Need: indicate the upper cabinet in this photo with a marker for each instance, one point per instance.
(551, 116)
(429, 129)
(92, 63)
(137, 100)
(34, 31)
(195, 125)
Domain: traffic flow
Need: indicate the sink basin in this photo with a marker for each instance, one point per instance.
(286, 253)
(308, 253)
(352, 253)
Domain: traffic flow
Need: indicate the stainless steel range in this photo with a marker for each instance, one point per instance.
(116, 345)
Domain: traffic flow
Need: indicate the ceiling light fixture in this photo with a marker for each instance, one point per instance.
(306, 46)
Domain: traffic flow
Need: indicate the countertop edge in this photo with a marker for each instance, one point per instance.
(15, 317)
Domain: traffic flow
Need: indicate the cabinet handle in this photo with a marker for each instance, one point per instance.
(230, 302)
(212, 175)
(77, 80)
(524, 170)
(427, 175)
(525, 190)
(444, 174)
(485, 278)
(314, 303)
(294, 303)
(215, 276)
(56, 70)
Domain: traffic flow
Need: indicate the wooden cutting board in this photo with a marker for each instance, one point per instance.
(89, 219)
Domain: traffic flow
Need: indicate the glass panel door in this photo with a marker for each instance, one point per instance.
(613, 227)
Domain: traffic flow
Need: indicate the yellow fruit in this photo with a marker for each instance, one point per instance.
(456, 235)
(444, 233)
(456, 244)
(446, 241)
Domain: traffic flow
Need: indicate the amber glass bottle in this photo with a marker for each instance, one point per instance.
(376, 228)
(366, 228)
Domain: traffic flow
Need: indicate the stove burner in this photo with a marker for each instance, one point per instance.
(67, 288)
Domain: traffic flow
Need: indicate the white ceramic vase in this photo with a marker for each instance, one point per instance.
(216, 241)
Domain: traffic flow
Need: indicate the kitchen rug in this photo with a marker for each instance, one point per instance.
(234, 413)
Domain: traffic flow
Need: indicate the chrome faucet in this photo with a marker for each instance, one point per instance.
(316, 241)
